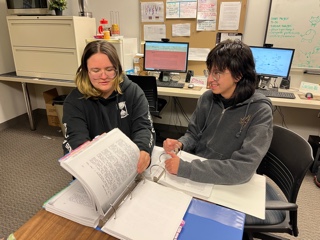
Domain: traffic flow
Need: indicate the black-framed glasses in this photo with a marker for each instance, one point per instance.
(109, 72)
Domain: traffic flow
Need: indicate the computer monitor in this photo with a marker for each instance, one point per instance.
(166, 57)
(272, 62)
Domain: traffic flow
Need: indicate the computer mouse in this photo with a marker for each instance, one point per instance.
(309, 95)
(190, 85)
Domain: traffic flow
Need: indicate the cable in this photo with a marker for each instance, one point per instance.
(177, 108)
(279, 110)
(177, 101)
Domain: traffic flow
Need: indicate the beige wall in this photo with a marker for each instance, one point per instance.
(11, 99)
(303, 121)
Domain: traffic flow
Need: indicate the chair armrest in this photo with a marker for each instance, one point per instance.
(280, 205)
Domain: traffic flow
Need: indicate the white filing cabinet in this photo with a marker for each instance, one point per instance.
(126, 48)
(49, 46)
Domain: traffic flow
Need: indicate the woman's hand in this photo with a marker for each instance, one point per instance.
(170, 145)
(172, 164)
(143, 162)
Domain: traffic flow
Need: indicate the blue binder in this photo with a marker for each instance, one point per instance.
(204, 220)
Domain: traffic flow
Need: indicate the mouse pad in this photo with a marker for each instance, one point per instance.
(197, 88)
(315, 97)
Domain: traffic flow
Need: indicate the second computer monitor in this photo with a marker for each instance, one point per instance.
(166, 57)
(272, 63)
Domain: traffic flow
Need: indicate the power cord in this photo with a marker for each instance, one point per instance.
(279, 110)
(177, 108)
(177, 101)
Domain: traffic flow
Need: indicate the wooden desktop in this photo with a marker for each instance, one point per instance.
(46, 225)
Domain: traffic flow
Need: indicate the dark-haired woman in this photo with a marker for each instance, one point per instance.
(231, 126)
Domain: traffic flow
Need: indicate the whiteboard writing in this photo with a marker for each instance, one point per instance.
(296, 24)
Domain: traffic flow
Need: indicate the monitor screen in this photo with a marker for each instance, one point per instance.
(166, 56)
(272, 62)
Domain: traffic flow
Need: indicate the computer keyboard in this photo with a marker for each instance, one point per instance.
(170, 84)
(276, 94)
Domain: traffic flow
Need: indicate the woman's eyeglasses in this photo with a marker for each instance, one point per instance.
(109, 72)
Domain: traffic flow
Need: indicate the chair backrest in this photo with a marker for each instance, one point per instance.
(148, 84)
(287, 161)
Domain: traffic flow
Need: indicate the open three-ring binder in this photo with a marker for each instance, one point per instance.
(157, 173)
(110, 195)
(108, 192)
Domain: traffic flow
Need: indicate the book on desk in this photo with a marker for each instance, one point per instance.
(118, 200)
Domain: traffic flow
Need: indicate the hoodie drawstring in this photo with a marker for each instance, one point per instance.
(245, 115)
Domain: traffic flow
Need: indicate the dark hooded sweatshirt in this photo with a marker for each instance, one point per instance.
(233, 139)
(84, 119)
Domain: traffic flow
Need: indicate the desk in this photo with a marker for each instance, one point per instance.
(12, 77)
(46, 225)
(162, 91)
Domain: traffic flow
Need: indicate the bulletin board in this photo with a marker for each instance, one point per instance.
(197, 39)
(296, 24)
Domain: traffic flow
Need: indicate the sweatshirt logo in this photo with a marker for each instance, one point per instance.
(244, 121)
(123, 109)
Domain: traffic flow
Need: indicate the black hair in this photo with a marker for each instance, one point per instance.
(237, 57)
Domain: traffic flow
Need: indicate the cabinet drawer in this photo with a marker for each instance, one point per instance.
(46, 62)
(42, 33)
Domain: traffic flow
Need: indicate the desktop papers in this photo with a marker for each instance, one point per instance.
(249, 197)
(143, 217)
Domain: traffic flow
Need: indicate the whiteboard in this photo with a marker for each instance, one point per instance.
(296, 24)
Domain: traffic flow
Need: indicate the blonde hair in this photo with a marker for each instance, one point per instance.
(82, 76)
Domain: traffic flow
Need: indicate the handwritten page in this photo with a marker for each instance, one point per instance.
(181, 30)
(154, 32)
(152, 12)
(207, 15)
(199, 81)
(181, 9)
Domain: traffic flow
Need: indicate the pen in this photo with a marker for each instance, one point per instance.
(179, 230)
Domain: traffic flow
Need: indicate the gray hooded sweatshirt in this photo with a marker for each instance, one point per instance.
(233, 140)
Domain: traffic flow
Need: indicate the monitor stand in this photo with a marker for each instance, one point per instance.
(164, 77)
(264, 82)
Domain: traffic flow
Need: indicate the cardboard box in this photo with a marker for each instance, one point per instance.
(52, 115)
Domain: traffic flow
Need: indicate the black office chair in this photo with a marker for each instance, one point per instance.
(286, 164)
(149, 86)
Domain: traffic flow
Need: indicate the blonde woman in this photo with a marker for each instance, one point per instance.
(106, 99)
